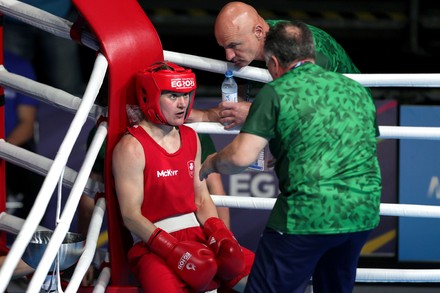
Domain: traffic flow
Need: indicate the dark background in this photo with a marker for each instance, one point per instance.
(380, 36)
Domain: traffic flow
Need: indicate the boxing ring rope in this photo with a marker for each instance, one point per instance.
(362, 275)
(49, 184)
(85, 107)
(103, 280)
(44, 21)
(62, 27)
(47, 94)
(41, 165)
(70, 207)
(13, 224)
(386, 132)
(262, 75)
(386, 209)
(89, 252)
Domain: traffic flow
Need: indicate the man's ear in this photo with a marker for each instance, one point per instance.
(276, 65)
(259, 32)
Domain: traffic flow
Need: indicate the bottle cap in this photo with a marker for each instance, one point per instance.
(228, 73)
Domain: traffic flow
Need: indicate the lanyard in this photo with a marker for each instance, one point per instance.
(298, 64)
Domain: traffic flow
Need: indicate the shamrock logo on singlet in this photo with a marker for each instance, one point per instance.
(191, 168)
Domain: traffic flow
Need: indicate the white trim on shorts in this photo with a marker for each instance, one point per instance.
(173, 224)
(177, 223)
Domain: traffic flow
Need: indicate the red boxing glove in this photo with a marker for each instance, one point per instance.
(192, 261)
(227, 250)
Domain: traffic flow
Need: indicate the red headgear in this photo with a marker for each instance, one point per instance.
(152, 81)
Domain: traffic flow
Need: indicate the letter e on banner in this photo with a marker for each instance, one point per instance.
(239, 184)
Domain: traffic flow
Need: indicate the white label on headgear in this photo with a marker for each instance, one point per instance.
(182, 83)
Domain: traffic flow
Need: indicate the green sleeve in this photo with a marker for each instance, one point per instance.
(263, 113)
(207, 144)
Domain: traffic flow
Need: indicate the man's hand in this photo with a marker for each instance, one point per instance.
(207, 167)
(233, 113)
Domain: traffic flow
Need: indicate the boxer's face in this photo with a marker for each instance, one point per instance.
(174, 107)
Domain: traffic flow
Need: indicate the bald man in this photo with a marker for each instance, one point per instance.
(241, 31)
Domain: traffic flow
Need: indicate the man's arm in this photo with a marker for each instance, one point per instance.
(235, 157)
(21, 270)
(206, 115)
(24, 131)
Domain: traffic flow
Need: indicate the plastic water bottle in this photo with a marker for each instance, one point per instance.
(229, 88)
(229, 93)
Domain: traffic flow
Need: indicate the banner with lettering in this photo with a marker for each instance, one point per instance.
(248, 224)
(419, 174)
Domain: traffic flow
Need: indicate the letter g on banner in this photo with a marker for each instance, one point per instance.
(259, 184)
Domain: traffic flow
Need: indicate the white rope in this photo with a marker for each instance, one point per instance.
(46, 94)
(407, 132)
(409, 210)
(61, 27)
(35, 17)
(217, 66)
(386, 132)
(362, 275)
(211, 128)
(397, 79)
(44, 21)
(398, 275)
(70, 207)
(103, 280)
(90, 94)
(41, 165)
(90, 247)
(41, 202)
(262, 75)
(386, 209)
(13, 224)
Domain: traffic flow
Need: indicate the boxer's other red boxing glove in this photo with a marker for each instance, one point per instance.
(227, 250)
(192, 261)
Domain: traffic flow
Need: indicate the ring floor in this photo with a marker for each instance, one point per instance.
(20, 285)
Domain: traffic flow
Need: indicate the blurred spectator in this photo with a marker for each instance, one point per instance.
(55, 59)
(22, 268)
(20, 119)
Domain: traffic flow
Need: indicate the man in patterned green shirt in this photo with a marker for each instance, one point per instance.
(320, 126)
(241, 31)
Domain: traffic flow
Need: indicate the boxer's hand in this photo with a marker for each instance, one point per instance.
(228, 252)
(192, 261)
